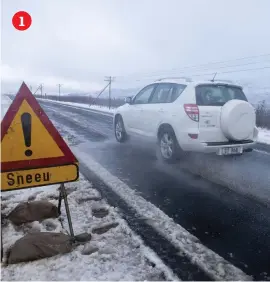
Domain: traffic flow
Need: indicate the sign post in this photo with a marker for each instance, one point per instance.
(63, 195)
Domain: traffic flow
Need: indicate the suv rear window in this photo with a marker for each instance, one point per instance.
(218, 95)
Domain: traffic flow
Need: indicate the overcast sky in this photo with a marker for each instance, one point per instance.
(78, 42)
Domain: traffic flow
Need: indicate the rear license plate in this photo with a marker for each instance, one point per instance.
(230, 150)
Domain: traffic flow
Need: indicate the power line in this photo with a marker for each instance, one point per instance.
(99, 93)
(222, 67)
(109, 79)
(212, 73)
(201, 65)
(266, 67)
(41, 89)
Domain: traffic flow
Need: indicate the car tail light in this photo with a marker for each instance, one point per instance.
(193, 136)
(192, 111)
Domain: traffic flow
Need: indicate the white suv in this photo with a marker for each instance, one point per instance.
(183, 115)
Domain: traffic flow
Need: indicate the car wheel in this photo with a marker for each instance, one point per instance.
(168, 146)
(119, 130)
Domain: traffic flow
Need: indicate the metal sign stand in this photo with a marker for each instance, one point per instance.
(63, 195)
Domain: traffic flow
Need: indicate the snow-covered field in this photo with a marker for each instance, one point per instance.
(118, 254)
(264, 135)
(85, 106)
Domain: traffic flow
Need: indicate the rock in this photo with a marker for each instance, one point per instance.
(83, 237)
(88, 250)
(39, 245)
(33, 211)
(32, 198)
(88, 199)
(104, 228)
(100, 212)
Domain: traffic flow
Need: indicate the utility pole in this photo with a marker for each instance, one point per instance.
(59, 89)
(109, 79)
(41, 89)
(99, 94)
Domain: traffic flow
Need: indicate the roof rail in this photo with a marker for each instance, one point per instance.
(187, 79)
(224, 80)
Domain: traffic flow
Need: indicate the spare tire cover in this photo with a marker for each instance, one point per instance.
(238, 120)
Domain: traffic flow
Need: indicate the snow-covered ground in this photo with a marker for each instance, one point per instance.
(85, 106)
(264, 135)
(119, 253)
(213, 264)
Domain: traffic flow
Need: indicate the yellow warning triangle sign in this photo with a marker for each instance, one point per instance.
(29, 139)
(42, 144)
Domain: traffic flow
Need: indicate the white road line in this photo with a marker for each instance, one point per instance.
(210, 262)
(262, 152)
(76, 121)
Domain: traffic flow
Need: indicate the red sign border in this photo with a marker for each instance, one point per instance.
(25, 94)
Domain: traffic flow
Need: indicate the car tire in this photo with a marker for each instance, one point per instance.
(119, 130)
(168, 147)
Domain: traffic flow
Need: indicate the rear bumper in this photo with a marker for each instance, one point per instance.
(198, 145)
(214, 147)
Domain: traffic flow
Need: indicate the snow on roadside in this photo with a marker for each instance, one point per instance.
(80, 105)
(264, 135)
(121, 254)
(205, 258)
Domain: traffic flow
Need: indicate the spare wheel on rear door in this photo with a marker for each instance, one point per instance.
(237, 120)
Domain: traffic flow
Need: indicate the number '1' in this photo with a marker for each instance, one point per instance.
(21, 21)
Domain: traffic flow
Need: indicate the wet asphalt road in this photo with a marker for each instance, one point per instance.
(234, 226)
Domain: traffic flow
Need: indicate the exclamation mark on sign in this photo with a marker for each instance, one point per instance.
(26, 126)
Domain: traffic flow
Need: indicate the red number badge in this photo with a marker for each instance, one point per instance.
(22, 20)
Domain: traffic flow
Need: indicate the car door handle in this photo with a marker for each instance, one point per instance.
(161, 110)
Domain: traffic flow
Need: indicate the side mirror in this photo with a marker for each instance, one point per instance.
(128, 100)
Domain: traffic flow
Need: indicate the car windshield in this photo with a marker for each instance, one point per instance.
(218, 95)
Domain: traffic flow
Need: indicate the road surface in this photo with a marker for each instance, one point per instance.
(227, 210)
